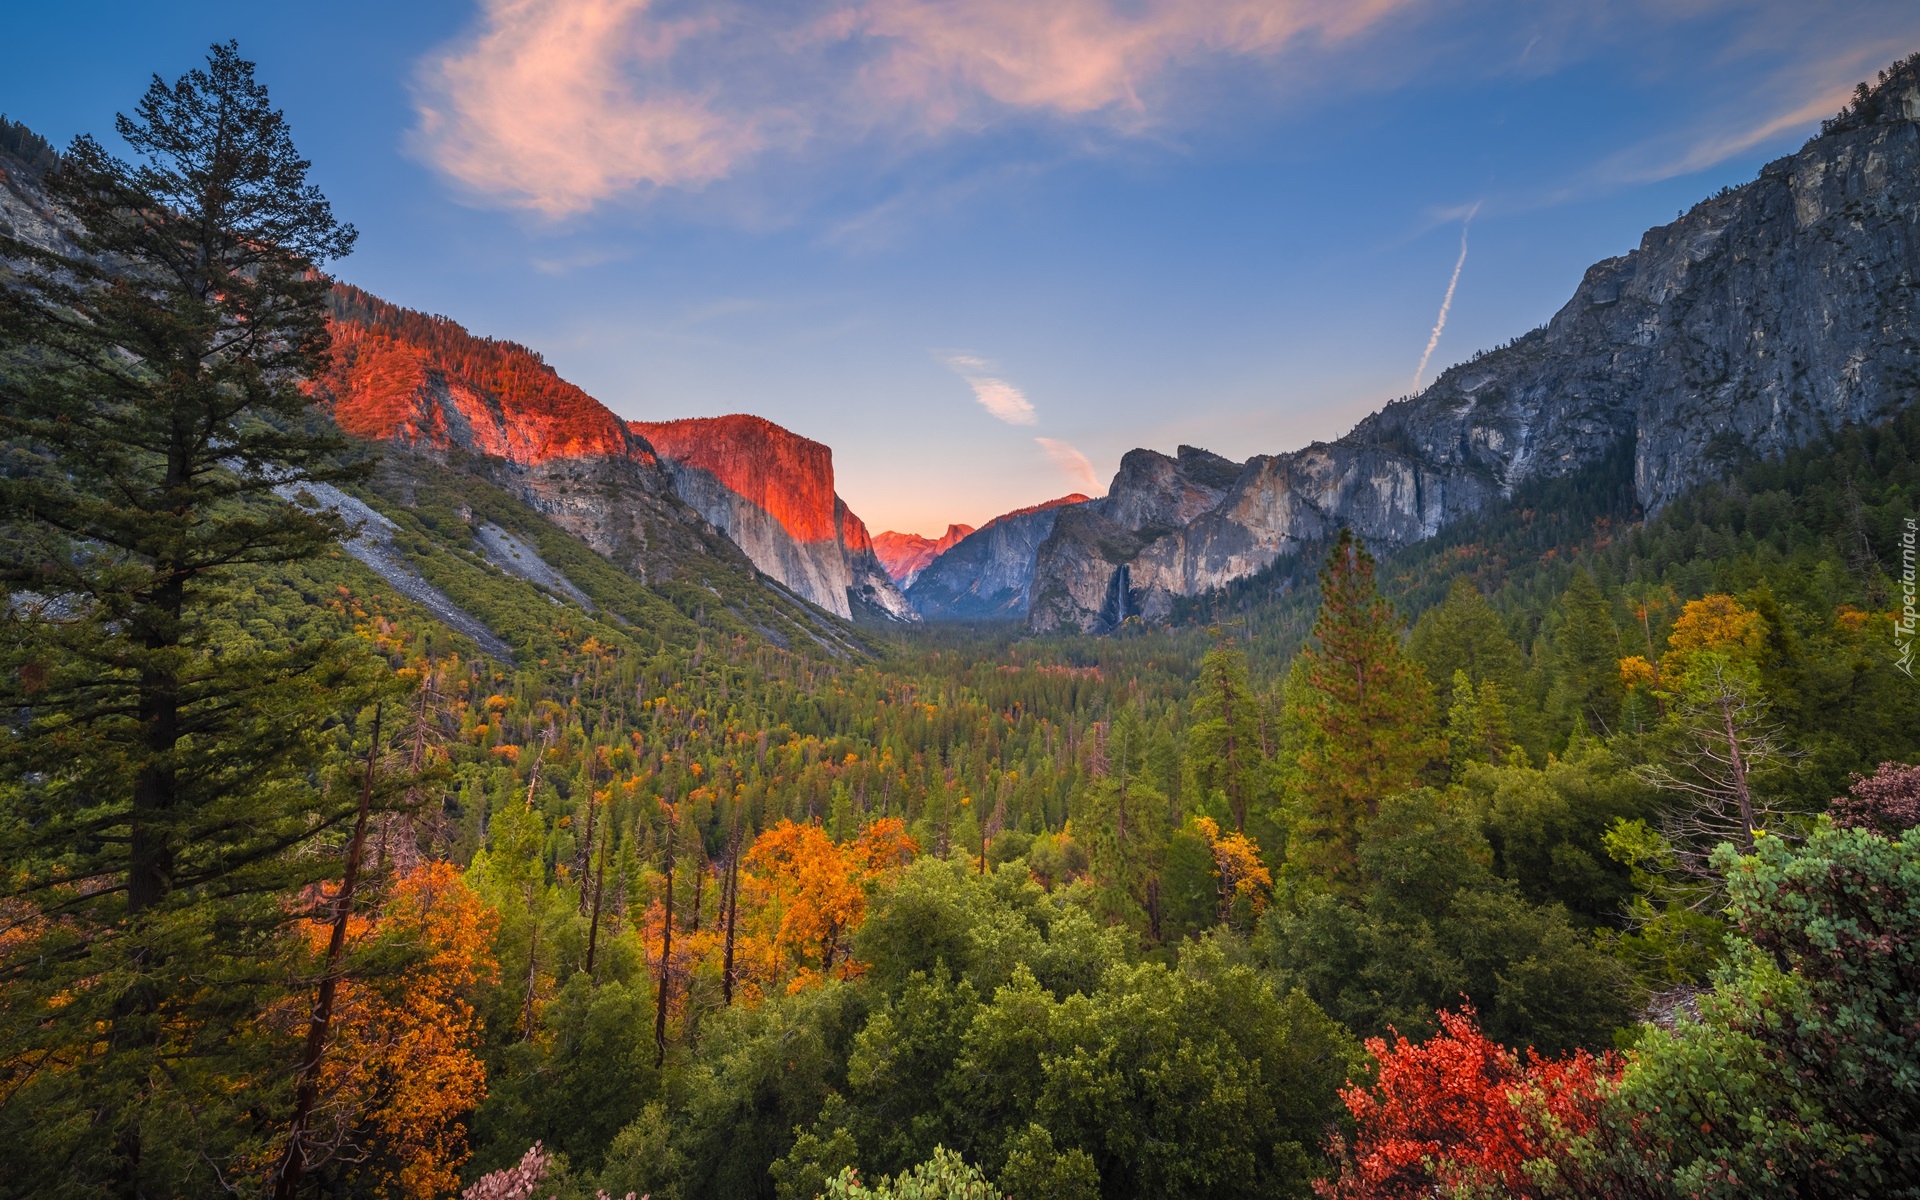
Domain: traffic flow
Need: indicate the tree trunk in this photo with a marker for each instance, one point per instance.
(666, 956)
(1737, 764)
(150, 858)
(307, 1091)
(599, 888)
(733, 907)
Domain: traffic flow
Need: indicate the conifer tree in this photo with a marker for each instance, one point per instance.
(1464, 633)
(1367, 709)
(1127, 816)
(1587, 656)
(1223, 745)
(153, 778)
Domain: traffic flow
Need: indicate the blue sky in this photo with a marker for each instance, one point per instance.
(984, 247)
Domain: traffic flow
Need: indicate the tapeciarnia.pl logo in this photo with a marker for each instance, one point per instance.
(1903, 629)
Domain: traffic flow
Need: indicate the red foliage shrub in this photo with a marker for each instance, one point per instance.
(1460, 1113)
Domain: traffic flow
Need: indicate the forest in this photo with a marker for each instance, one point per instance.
(1568, 854)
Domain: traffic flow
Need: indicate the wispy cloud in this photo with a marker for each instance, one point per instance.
(559, 105)
(1806, 60)
(996, 395)
(1446, 302)
(1074, 463)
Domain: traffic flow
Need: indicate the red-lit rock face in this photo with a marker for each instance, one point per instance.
(788, 476)
(404, 375)
(906, 554)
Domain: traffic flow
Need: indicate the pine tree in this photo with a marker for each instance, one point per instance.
(1127, 817)
(1223, 745)
(1367, 709)
(1587, 656)
(153, 779)
(1464, 633)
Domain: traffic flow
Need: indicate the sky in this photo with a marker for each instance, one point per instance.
(982, 248)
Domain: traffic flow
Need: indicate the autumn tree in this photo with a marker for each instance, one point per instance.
(155, 776)
(402, 1074)
(1887, 801)
(804, 898)
(1367, 709)
(1718, 735)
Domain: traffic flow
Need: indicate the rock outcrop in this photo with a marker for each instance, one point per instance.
(988, 574)
(1759, 320)
(771, 491)
(905, 555)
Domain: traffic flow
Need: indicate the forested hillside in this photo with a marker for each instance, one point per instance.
(1553, 856)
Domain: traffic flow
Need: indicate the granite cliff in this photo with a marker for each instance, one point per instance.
(771, 491)
(987, 575)
(1763, 317)
(423, 385)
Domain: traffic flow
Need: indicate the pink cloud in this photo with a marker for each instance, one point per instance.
(1073, 463)
(558, 105)
(1077, 56)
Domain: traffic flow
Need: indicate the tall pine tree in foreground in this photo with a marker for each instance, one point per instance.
(155, 777)
(1223, 746)
(1367, 711)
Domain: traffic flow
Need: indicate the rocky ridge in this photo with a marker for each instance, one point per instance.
(905, 555)
(988, 574)
(1764, 317)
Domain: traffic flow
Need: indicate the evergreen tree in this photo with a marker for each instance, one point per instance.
(1223, 744)
(1367, 708)
(1477, 728)
(1464, 633)
(155, 773)
(1587, 656)
(1126, 815)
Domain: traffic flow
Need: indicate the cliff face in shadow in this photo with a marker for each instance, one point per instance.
(1761, 319)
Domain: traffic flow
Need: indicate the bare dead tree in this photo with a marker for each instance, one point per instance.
(1724, 736)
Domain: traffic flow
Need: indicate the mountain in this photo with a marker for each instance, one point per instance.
(905, 555)
(987, 575)
(771, 491)
(424, 385)
(757, 494)
(1762, 319)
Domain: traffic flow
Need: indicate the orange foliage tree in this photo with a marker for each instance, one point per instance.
(1243, 877)
(401, 1072)
(1461, 1115)
(803, 897)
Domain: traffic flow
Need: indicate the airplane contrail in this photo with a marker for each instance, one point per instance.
(1446, 302)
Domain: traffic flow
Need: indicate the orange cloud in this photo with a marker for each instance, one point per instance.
(558, 105)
